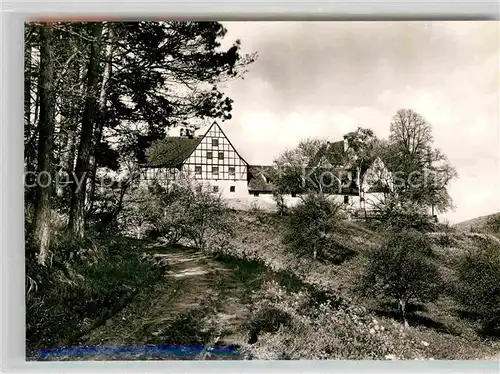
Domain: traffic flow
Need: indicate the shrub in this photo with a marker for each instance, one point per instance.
(166, 210)
(298, 328)
(493, 224)
(207, 223)
(401, 269)
(396, 213)
(181, 211)
(279, 199)
(268, 320)
(310, 224)
(478, 286)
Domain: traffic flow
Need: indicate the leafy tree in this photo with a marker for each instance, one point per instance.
(401, 269)
(299, 170)
(310, 223)
(478, 286)
(115, 82)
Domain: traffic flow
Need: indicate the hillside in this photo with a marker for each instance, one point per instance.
(478, 223)
(257, 300)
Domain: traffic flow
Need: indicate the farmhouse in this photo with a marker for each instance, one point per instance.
(210, 159)
(213, 160)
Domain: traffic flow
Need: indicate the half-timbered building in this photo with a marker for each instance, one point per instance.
(210, 159)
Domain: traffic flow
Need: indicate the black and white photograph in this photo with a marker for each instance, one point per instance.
(261, 190)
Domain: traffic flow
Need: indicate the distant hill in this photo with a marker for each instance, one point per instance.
(478, 223)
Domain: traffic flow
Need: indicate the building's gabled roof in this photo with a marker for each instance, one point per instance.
(171, 152)
(260, 178)
(336, 155)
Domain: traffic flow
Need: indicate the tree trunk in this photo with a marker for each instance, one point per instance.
(27, 94)
(77, 73)
(76, 216)
(45, 145)
(28, 137)
(100, 124)
(402, 308)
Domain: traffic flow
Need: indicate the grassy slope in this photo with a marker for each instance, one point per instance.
(449, 335)
(478, 223)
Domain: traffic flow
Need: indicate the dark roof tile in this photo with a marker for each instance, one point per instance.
(172, 151)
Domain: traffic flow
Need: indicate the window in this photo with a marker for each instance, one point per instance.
(215, 142)
(216, 189)
(256, 194)
(209, 155)
(221, 155)
(232, 189)
(346, 199)
(215, 170)
(294, 194)
(231, 170)
(197, 169)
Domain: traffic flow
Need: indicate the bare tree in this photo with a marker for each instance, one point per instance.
(411, 132)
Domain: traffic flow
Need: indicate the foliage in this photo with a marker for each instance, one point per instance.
(88, 281)
(421, 173)
(280, 200)
(292, 326)
(183, 210)
(112, 84)
(397, 213)
(295, 168)
(401, 269)
(493, 224)
(208, 222)
(310, 223)
(478, 285)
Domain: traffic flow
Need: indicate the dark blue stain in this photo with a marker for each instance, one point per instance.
(159, 351)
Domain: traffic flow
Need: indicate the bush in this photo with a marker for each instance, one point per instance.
(396, 213)
(208, 221)
(182, 211)
(310, 223)
(295, 327)
(268, 320)
(493, 224)
(478, 286)
(401, 269)
(279, 199)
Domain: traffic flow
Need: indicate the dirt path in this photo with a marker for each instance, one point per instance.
(198, 304)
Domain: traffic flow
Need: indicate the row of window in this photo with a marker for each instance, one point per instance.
(220, 155)
(216, 189)
(215, 170)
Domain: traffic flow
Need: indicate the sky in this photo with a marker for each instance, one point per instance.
(324, 79)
